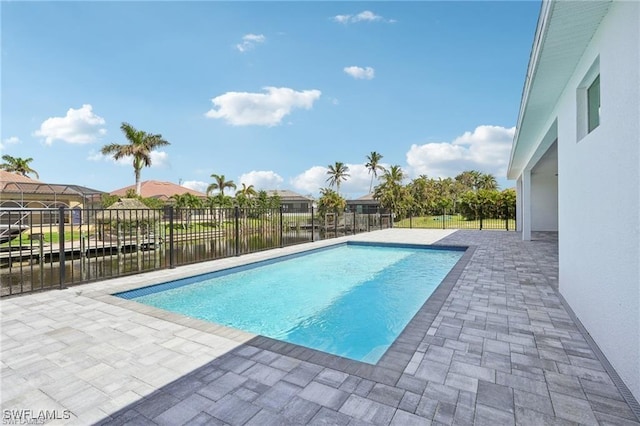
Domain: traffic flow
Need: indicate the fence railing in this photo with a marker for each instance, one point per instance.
(44, 249)
(446, 220)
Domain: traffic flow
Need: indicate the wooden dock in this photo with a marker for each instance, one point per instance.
(73, 250)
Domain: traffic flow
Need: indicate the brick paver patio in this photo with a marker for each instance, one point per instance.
(494, 345)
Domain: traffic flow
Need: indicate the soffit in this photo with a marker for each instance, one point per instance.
(564, 32)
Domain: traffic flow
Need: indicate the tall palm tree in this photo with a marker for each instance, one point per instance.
(337, 173)
(220, 184)
(373, 165)
(17, 165)
(139, 147)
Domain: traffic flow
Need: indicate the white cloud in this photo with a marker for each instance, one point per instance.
(485, 149)
(364, 16)
(367, 15)
(343, 19)
(78, 126)
(196, 185)
(12, 140)
(158, 159)
(311, 180)
(249, 41)
(261, 109)
(366, 73)
(261, 180)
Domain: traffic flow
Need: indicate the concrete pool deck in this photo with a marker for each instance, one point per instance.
(498, 348)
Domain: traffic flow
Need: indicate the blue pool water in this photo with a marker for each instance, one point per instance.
(352, 301)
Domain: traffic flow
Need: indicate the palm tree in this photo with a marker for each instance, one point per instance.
(245, 195)
(487, 181)
(391, 193)
(17, 165)
(247, 191)
(187, 201)
(139, 147)
(373, 165)
(220, 184)
(330, 202)
(337, 173)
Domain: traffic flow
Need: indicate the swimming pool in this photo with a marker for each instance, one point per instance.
(351, 300)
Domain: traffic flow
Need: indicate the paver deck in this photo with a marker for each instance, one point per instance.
(495, 345)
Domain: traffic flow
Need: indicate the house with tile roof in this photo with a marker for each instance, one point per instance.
(158, 189)
(576, 159)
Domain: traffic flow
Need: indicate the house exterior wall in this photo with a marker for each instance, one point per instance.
(544, 203)
(599, 204)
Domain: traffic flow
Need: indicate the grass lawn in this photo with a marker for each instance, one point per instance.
(453, 222)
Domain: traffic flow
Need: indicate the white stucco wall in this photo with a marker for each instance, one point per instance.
(599, 203)
(544, 202)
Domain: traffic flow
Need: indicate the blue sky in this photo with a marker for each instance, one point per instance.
(265, 93)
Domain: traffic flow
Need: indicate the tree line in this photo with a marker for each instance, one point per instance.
(471, 193)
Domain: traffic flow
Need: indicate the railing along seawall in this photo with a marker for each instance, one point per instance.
(42, 249)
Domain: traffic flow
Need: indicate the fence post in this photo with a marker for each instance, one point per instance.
(353, 229)
(444, 217)
(410, 220)
(313, 224)
(236, 214)
(481, 214)
(61, 253)
(172, 264)
(281, 227)
(506, 218)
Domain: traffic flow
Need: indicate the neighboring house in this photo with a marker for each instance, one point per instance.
(292, 201)
(17, 191)
(157, 189)
(21, 191)
(576, 158)
(365, 204)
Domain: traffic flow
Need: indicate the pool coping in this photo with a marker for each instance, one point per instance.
(392, 363)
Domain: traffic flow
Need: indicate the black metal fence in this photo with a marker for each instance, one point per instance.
(44, 249)
(446, 220)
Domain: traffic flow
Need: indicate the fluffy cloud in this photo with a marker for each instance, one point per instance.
(364, 16)
(12, 140)
(366, 73)
(249, 41)
(78, 126)
(158, 159)
(261, 109)
(311, 180)
(485, 149)
(261, 180)
(196, 185)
